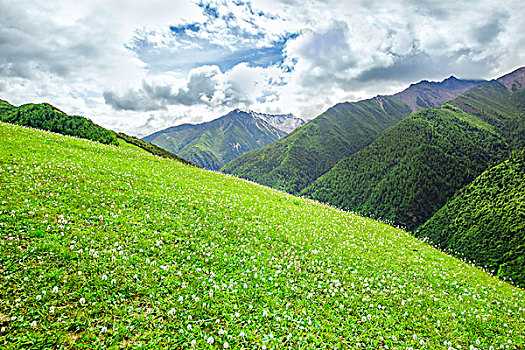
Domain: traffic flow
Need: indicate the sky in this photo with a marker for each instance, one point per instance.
(141, 66)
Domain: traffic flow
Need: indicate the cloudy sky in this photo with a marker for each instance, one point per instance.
(139, 66)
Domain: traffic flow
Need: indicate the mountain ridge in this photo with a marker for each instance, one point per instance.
(213, 144)
(425, 94)
(292, 163)
(514, 80)
(411, 171)
(284, 122)
(296, 161)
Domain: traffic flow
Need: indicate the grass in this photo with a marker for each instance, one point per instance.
(107, 247)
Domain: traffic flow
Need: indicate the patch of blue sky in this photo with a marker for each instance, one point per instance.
(181, 29)
(263, 57)
(209, 10)
(196, 52)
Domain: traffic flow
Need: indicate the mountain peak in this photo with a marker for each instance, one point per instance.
(213, 144)
(240, 110)
(451, 78)
(284, 122)
(514, 80)
(427, 94)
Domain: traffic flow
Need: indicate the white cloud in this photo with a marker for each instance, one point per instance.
(242, 86)
(119, 62)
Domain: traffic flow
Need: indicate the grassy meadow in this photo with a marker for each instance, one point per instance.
(111, 247)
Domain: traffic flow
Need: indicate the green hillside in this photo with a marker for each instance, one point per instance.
(213, 144)
(110, 247)
(485, 221)
(46, 117)
(150, 148)
(411, 171)
(292, 163)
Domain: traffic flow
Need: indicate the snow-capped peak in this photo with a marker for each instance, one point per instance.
(284, 122)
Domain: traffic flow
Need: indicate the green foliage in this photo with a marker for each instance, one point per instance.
(514, 131)
(485, 221)
(411, 171)
(109, 247)
(46, 117)
(151, 148)
(293, 163)
(213, 144)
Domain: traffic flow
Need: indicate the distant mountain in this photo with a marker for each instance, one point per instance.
(426, 94)
(411, 171)
(47, 117)
(485, 221)
(213, 144)
(292, 163)
(295, 162)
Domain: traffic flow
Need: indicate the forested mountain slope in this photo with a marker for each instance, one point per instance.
(485, 221)
(295, 162)
(46, 117)
(411, 171)
(213, 144)
(292, 163)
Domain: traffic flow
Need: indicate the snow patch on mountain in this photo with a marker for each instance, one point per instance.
(283, 122)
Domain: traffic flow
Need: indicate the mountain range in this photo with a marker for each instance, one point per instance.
(296, 161)
(426, 94)
(452, 173)
(214, 144)
(410, 171)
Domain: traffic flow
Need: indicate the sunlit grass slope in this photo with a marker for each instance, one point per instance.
(103, 246)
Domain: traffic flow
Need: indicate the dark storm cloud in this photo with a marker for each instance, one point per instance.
(423, 66)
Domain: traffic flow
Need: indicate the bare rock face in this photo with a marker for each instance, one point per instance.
(514, 80)
(426, 94)
(283, 122)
